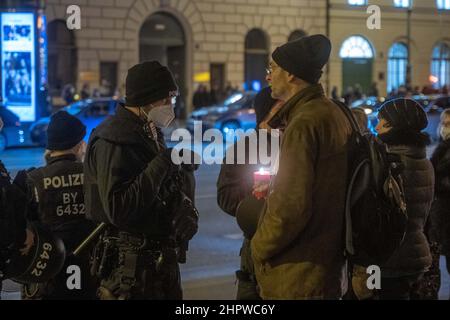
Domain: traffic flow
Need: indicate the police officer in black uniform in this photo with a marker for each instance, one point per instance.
(56, 200)
(15, 238)
(132, 185)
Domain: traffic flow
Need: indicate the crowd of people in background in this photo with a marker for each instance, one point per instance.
(204, 97)
(69, 92)
(355, 92)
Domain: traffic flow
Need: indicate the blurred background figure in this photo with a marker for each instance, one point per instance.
(440, 213)
(373, 92)
(68, 93)
(105, 88)
(201, 97)
(334, 93)
(85, 91)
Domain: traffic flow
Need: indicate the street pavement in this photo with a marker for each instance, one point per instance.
(213, 255)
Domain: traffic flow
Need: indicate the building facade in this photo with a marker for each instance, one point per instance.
(220, 42)
(361, 55)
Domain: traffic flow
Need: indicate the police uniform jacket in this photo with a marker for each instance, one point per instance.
(57, 201)
(126, 179)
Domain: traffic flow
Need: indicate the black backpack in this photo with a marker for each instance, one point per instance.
(375, 207)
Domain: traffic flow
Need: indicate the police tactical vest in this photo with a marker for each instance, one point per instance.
(57, 189)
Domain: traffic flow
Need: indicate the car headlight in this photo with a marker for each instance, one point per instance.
(368, 111)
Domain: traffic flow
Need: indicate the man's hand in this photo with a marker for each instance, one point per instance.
(261, 190)
(185, 222)
(28, 244)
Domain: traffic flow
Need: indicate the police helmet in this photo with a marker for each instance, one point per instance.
(44, 260)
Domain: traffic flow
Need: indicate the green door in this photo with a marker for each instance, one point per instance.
(356, 70)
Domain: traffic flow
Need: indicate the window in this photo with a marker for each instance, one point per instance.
(443, 4)
(397, 63)
(256, 59)
(402, 3)
(440, 65)
(356, 47)
(357, 2)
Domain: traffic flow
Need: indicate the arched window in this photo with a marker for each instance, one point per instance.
(443, 4)
(357, 2)
(256, 59)
(356, 47)
(440, 65)
(402, 3)
(297, 34)
(397, 63)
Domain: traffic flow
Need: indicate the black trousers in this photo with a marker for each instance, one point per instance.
(400, 288)
(144, 280)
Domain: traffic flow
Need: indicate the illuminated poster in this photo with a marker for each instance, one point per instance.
(18, 64)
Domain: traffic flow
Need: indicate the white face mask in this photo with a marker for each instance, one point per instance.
(162, 116)
(445, 133)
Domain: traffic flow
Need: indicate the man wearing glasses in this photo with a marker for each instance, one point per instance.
(297, 249)
(132, 185)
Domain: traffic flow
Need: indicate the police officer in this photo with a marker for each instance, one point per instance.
(15, 238)
(132, 185)
(56, 200)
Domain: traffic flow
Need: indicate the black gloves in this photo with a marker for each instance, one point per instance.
(166, 156)
(193, 163)
(185, 222)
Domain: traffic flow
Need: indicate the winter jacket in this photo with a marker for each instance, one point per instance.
(413, 256)
(127, 178)
(440, 214)
(298, 247)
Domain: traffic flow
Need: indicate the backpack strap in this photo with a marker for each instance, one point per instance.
(349, 115)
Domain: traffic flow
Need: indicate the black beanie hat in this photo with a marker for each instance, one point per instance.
(304, 57)
(64, 131)
(404, 113)
(148, 82)
(263, 103)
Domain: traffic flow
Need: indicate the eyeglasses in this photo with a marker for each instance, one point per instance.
(270, 68)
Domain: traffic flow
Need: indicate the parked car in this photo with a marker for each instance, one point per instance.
(90, 111)
(13, 133)
(235, 113)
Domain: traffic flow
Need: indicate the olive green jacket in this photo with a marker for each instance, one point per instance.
(298, 247)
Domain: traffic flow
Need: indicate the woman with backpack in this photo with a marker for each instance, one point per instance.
(441, 205)
(400, 127)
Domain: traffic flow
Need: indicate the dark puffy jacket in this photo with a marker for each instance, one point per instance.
(126, 178)
(235, 182)
(441, 205)
(13, 202)
(413, 256)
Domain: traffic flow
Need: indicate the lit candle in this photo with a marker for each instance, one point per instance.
(261, 181)
(261, 175)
